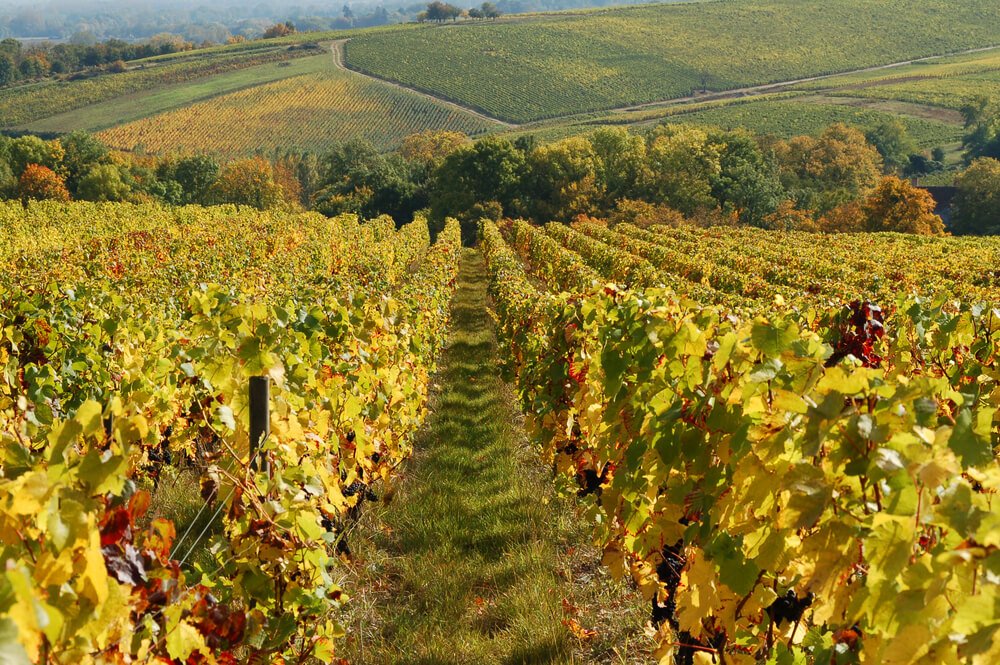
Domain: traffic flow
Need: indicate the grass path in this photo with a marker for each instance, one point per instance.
(468, 563)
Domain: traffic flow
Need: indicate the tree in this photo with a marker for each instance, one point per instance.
(33, 150)
(8, 183)
(893, 142)
(490, 11)
(476, 13)
(977, 203)
(195, 175)
(168, 191)
(442, 11)
(249, 182)
(919, 165)
(563, 180)
(103, 182)
(786, 217)
(621, 164)
(31, 67)
(822, 173)
(430, 148)
(358, 178)
(39, 182)
(747, 183)
(682, 164)
(82, 153)
(279, 30)
(492, 169)
(896, 205)
(982, 129)
(8, 72)
(644, 214)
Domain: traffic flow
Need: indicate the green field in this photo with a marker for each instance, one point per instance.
(135, 106)
(796, 117)
(27, 104)
(952, 92)
(781, 115)
(558, 65)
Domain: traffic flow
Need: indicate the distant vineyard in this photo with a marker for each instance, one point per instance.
(952, 92)
(789, 474)
(788, 118)
(306, 112)
(23, 104)
(560, 65)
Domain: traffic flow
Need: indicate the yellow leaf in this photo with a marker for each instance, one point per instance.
(184, 640)
(702, 598)
(89, 416)
(94, 581)
(29, 493)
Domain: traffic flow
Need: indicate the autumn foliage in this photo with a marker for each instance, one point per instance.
(895, 205)
(250, 182)
(40, 182)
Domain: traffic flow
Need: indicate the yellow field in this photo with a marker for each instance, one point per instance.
(307, 112)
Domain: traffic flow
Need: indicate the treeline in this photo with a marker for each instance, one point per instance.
(841, 180)
(78, 166)
(443, 11)
(19, 63)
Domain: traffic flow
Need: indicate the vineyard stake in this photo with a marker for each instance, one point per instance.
(260, 418)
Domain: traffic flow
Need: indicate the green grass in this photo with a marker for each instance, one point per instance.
(565, 64)
(474, 556)
(794, 117)
(136, 106)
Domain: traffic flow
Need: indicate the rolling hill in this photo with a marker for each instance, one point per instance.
(556, 65)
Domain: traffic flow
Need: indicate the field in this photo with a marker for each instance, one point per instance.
(167, 97)
(565, 68)
(553, 66)
(782, 116)
(948, 91)
(307, 112)
(26, 104)
(775, 432)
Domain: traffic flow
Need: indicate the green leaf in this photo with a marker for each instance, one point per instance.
(103, 471)
(735, 571)
(967, 440)
(11, 651)
(89, 417)
(771, 339)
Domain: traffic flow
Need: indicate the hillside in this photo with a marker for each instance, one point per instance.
(310, 111)
(549, 74)
(558, 65)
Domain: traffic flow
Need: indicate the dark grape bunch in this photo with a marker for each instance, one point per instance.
(789, 608)
(860, 332)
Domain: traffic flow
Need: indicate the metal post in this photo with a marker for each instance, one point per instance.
(260, 418)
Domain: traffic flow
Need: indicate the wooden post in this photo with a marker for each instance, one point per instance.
(260, 418)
